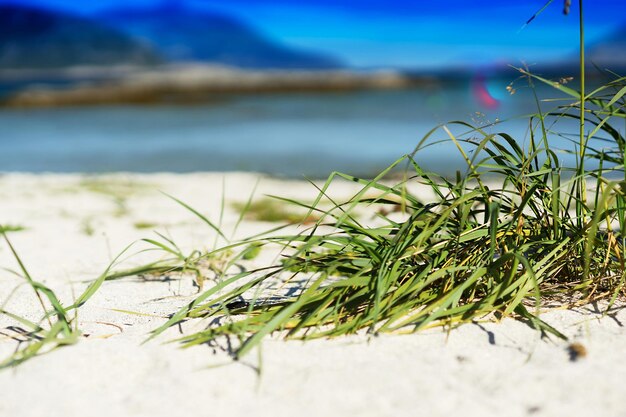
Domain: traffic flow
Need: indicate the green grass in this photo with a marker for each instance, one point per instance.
(11, 228)
(56, 327)
(500, 239)
(87, 227)
(274, 210)
(117, 189)
(113, 187)
(514, 230)
(140, 225)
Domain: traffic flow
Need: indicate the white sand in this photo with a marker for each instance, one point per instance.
(478, 370)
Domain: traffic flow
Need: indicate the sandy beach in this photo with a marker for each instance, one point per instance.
(69, 227)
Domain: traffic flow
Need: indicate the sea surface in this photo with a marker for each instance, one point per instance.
(290, 134)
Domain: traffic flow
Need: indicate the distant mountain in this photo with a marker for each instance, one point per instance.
(610, 52)
(184, 34)
(42, 39)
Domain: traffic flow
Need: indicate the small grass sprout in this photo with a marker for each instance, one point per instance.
(56, 327)
(140, 225)
(274, 210)
(8, 228)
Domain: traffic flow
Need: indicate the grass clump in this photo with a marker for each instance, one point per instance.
(113, 187)
(87, 227)
(510, 233)
(117, 189)
(141, 225)
(273, 210)
(56, 327)
(516, 229)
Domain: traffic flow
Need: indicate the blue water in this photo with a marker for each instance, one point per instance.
(281, 134)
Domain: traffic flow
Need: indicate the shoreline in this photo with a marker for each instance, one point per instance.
(189, 84)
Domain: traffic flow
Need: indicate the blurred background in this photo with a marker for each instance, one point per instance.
(280, 87)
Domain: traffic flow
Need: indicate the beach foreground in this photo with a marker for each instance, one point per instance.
(67, 228)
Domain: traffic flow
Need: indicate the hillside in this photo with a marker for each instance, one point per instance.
(42, 39)
(185, 34)
(611, 51)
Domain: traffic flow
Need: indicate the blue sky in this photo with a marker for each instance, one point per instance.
(411, 34)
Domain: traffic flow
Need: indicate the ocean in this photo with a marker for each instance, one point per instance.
(291, 135)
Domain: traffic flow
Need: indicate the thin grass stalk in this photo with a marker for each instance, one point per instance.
(582, 187)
